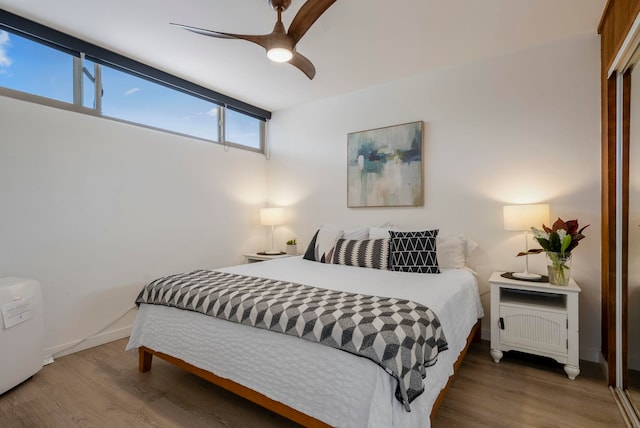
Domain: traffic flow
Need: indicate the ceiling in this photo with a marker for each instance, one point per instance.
(354, 44)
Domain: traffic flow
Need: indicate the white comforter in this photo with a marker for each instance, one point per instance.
(336, 387)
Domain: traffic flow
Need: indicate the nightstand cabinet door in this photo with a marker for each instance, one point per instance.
(537, 330)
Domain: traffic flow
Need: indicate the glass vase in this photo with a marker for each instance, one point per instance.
(559, 268)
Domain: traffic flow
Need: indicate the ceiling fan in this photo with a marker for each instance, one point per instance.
(281, 44)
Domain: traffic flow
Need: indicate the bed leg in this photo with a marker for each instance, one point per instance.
(144, 359)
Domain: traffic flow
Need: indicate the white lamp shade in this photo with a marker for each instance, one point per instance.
(524, 217)
(271, 216)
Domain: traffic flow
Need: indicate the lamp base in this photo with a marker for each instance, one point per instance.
(511, 275)
(271, 253)
(526, 275)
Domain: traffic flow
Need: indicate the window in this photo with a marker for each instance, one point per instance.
(34, 68)
(243, 130)
(37, 60)
(138, 100)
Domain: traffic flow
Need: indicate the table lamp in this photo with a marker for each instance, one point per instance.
(523, 218)
(271, 217)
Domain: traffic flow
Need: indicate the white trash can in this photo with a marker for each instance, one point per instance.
(21, 331)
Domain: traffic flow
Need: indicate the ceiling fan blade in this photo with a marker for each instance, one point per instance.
(262, 40)
(303, 64)
(306, 16)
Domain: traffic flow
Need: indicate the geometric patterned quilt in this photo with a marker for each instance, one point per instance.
(401, 336)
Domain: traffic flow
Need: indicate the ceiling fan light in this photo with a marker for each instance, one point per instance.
(279, 54)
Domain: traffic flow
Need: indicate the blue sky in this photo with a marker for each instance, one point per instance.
(37, 69)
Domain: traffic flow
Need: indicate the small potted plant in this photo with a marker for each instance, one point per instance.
(558, 241)
(292, 247)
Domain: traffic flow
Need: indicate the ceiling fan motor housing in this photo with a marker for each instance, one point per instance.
(280, 5)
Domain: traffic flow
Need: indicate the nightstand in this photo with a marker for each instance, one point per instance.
(537, 318)
(255, 257)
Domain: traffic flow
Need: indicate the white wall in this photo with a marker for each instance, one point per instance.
(523, 128)
(94, 208)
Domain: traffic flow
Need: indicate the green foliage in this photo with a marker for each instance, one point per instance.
(562, 237)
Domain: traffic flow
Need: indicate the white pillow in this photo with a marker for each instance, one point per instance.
(453, 250)
(379, 232)
(356, 233)
(328, 234)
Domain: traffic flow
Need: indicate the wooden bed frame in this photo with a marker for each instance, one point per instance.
(145, 356)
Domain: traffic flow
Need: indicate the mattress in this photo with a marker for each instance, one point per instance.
(330, 385)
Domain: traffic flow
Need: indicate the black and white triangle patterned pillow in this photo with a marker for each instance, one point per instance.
(414, 251)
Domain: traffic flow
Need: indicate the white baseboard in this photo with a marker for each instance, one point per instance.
(590, 354)
(90, 342)
(486, 334)
(587, 354)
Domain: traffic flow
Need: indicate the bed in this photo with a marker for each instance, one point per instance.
(307, 382)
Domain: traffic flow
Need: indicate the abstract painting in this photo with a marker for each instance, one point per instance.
(384, 167)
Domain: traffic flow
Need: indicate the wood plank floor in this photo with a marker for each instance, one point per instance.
(526, 391)
(101, 387)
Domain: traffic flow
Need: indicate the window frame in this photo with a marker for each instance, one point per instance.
(81, 51)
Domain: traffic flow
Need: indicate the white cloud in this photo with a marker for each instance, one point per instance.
(132, 91)
(212, 112)
(5, 61)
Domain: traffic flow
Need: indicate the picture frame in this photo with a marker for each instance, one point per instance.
(385, 168)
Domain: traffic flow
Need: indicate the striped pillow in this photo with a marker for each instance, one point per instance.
(369, 253)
